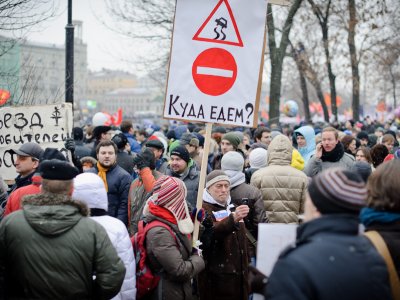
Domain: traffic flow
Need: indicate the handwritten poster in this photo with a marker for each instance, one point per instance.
(47, 125)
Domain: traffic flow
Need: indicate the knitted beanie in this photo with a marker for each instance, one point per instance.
(170, 193)
(337, 190)
(258, 158)
(232, 161)
(215, 176)
(90, 189)
(182, 152)
(232, 138)
(362, 168)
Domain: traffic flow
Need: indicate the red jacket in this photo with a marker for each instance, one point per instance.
(15, 198)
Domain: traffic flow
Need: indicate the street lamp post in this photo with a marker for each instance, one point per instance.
(69, 57)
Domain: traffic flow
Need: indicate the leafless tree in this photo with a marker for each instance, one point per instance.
(277, 54)
(18, 17)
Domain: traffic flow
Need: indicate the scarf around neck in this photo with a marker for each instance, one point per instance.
(209, 199)
(235, 177)
(162, 213)
(335, 155)
(369, 216)
(103, 174)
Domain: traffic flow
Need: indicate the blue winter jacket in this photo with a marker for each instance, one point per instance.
(135, 146)
(309, 135)
(119, 182)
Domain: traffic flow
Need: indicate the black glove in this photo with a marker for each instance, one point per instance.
(70, 145)
(145, 159)
(257, 280)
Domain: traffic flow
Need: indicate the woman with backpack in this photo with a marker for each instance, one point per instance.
(168, 247)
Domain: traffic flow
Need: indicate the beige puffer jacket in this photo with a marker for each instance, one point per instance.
(283, 187)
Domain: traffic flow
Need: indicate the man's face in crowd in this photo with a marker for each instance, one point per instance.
(301, 141)
(178, 165)
(226, 146)
(106, 136)
(266, 138)
(329, 141)
(379, 133)
(364, 142)
(220, 191)
(106, 156)
(140, 137)
(25, 165)
(192, 150)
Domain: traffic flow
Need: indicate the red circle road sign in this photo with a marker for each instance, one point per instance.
(214, 71)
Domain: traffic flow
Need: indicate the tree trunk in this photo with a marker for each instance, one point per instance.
(393, 79)
(275, 92)
(303, 86)
(354, 61)
(304, 98)
(321, 98)
(331, 76)
(323, 22)
(277, 55)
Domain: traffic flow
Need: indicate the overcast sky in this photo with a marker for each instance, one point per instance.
(105, 48)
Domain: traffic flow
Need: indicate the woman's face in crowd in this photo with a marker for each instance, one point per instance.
(352, 146)
(360, 156)
(389, 145)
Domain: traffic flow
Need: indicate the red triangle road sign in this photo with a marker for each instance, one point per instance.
(220, 27)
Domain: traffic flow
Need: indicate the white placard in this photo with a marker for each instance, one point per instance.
(272, 239)
(216, 60)
(47, 125)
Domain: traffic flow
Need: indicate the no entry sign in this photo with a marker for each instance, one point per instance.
(214, 71)
(216, 61)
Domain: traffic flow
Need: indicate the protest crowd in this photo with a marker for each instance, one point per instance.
(115, 219)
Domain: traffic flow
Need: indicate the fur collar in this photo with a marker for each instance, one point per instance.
(55, 199)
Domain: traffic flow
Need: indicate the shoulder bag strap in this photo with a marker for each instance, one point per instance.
(380, 245)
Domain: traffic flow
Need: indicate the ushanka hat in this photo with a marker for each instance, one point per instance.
(337, 190)
(55, 169)
(170, 193)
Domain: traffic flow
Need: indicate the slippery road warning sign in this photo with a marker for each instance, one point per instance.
(216, 61)
(220, 27)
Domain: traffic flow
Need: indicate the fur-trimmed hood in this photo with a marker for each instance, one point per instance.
(53, 214)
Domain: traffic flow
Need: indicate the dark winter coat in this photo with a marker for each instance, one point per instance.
(119, 182)
(81, 150)
(125, 161)
(390, 233)
(226, 273)
(50, 250)
(257, 212)
(190, 177)
(330, 261)
(176, 266)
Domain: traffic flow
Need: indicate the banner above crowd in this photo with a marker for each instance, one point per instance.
(47, 125)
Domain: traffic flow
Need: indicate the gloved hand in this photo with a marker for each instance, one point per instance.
(145, 159)
(256, 280)
(69, 144)
(200, 215)
(196, 249)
